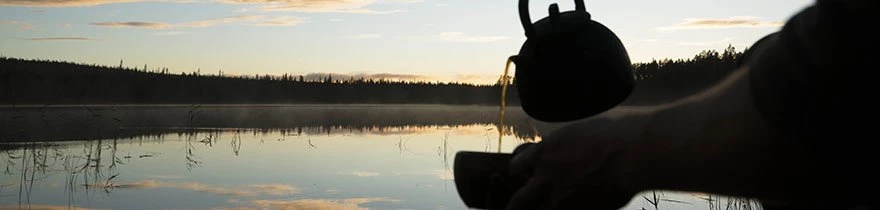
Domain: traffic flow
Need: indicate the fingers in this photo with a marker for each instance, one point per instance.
(524, 160)
(543, 194)
(594, 198)
(531, 196)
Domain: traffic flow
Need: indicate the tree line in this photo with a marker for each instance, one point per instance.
(33, 81)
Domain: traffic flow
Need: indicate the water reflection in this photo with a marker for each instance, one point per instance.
(246, 168)
(102, 122)
(298, 158)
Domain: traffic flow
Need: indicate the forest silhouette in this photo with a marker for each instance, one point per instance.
(50, 82)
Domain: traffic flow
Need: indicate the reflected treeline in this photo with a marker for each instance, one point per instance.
(24, 81)
(20, 124)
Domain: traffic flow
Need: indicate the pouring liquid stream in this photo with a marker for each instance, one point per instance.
(504, 81)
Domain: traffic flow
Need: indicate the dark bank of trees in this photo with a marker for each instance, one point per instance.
(54, 82)
(666, 80)
(24, 81)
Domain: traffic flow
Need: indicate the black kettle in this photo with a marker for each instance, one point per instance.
(570, 67)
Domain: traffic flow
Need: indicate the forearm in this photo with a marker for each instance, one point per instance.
(728, 150)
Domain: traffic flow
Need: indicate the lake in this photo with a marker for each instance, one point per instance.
(260, 157)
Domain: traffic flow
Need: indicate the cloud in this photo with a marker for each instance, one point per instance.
(150, 25)
(322, 204)
(171, 33)
(366, 76)
(60, 39)
(59, 3)
(241, 191)
(257, 20)
(724, 41)
(281, 21)
(42, 207)
(476, 78)
(321, 6)
(21, 25)
(367, 36)
(80, 3)
(721, 23)
(336, 20)
(462, 37)
(399, 1)
(314, 6)
(222, 20)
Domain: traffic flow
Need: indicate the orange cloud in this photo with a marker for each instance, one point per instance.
(477, 78)
(721, 23)
(258, 20)
(327, 6)
(60, 39)
(135, 24)
(20, 24)
(41, 207)
(59, 3)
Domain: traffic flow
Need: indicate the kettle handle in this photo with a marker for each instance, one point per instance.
(527, 21)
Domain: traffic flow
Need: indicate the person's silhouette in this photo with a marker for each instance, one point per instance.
(791, 127)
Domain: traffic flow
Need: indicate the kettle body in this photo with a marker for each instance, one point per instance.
(570, 67)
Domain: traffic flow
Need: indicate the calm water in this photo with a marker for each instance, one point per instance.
(267, 157)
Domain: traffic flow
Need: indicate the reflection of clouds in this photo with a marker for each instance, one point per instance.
(42, 207)
(320, 204)
(145, 184)
(250, 190)
(364, 173)
(446, 175)
(198, 187)
(475, 130)
(275, 189)
(164, 177)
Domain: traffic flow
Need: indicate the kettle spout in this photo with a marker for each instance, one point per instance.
(513, 59)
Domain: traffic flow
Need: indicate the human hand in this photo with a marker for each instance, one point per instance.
(575, 167)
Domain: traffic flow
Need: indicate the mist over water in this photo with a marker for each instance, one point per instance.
(258, 157)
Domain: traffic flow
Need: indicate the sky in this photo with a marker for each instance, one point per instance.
(433, 40)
